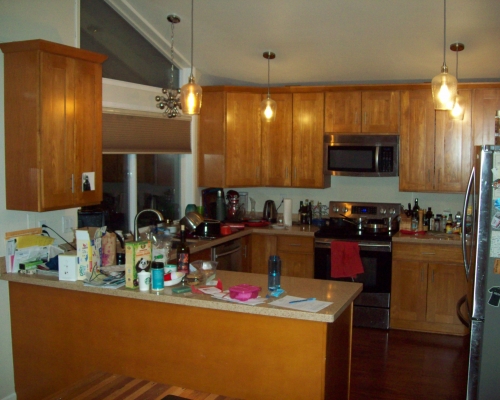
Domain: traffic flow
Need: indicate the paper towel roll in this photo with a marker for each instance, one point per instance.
(287, 212)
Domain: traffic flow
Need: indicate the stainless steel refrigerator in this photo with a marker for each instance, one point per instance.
(480, 307)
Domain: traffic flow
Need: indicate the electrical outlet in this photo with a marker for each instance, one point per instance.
(282, 196)
(42, 222)
(67, 224)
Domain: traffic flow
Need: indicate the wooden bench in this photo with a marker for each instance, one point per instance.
(104, 386)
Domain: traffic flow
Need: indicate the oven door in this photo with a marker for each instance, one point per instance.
(372, 305)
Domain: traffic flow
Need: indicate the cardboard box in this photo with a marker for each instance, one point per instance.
(88, 248)
(68, 267)
(138, 255)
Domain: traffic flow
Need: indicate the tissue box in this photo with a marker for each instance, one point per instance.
(137, 257)
(88, 248)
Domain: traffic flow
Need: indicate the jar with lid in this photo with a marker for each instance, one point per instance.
(437, 222)
(449, 224)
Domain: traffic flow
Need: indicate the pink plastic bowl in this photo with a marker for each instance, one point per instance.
(244, 292)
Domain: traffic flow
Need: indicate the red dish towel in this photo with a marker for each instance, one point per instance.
(345, 260)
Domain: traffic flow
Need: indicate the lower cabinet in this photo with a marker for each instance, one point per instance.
(427, 282)
(296, 253)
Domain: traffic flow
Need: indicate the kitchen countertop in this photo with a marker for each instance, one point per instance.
(439, 238)
(340, 293)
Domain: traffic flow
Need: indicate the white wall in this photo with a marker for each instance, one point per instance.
(57, 21)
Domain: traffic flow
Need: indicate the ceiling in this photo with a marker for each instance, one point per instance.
(323, 41)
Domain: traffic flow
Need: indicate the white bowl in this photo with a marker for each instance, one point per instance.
(178, 279)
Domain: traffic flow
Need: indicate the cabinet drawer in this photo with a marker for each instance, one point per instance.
(295, 244)
(428, 252)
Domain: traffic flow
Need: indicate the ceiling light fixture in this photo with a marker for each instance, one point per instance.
(268, 106)
(170, 101)
(444, 85)
(191, 92)
(459, 107)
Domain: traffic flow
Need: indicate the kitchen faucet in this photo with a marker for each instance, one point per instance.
(136, 231)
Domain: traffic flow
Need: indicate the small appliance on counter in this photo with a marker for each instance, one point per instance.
(235, 210)
(269, 213)
(209, 201)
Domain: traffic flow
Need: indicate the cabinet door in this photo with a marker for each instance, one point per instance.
(380, 112)
(416, 147)
(343, 112)
(453, 149)
(446, 285)
(57, 121)
(262, 246)
(243, 140)
(297, 265)
(277, 144)
(484, 106)
(307, 155)
(88, 132)
(408, 292)
(211, 140)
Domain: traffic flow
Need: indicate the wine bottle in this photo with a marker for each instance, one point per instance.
(183, 253)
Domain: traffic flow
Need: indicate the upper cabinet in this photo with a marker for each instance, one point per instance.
(53, 126)
(484, 106)
(374, 111)
(236, 149)
(434, 149)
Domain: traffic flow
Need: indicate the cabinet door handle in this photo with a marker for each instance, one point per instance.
(427, 253)
(364, 118)
(286, 172)
(295, 173)
(294, 244)
(421, 274)
(72, 183)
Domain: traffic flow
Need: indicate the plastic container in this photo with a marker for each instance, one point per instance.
(244, 292)
(204, 268)
(157, 276)
(274, 273)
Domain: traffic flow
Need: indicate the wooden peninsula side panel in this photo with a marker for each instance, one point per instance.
(59, 336)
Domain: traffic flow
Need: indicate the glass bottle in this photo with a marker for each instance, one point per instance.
(449, 224)
(274, 273)
(183, 253)
(427, 220)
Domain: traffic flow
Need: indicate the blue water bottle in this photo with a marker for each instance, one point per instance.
(157, 276)
(274, 273)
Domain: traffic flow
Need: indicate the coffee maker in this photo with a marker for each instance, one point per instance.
(208, 199)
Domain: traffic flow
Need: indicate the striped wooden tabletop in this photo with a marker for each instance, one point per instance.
(106, 386)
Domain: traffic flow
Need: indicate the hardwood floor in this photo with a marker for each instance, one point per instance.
(400, 365)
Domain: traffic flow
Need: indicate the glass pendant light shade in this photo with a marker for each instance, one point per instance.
(444, 85)
(191, 95)
(444, 90)
(268, 106)
(458, 109)
(268, 110)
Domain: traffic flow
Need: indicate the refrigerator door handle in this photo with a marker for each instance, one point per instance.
(470, 186)
(461, 317)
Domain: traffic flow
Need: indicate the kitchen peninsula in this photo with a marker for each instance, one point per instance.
(63, 331)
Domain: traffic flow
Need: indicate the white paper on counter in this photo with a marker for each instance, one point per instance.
(311, 306)
(287, 212)
(225, 296)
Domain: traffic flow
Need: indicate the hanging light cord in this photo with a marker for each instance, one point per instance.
(192, 34)
(268, 73)
(172, 55)
(444, 35)
(457, 62)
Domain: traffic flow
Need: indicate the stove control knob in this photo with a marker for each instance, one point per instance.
(335, 209)
(392, 211)
(383, 211)
(344, 210)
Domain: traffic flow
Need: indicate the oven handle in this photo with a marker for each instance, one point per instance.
(362, 246)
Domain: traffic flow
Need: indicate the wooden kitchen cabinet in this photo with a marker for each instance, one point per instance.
(277, 144)
(484, 106)
(53, 128)
(296, 253)
(307, 141)
(435, 150)
(246, 254)
(427, 283)
(297, 256)
(229, 140)
(362, 112)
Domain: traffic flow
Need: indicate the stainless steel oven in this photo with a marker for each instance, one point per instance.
(372, 306)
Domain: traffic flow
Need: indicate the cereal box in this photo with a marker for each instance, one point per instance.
(88, 248)
(137, 258)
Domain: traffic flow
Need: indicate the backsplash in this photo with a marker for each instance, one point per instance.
(356, 189)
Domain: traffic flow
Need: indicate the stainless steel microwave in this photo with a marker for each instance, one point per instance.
(361, 155)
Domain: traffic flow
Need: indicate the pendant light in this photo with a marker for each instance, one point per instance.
(191, 92)
(459, 107)
(268, 106)
(444, 85)
(170, 101)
